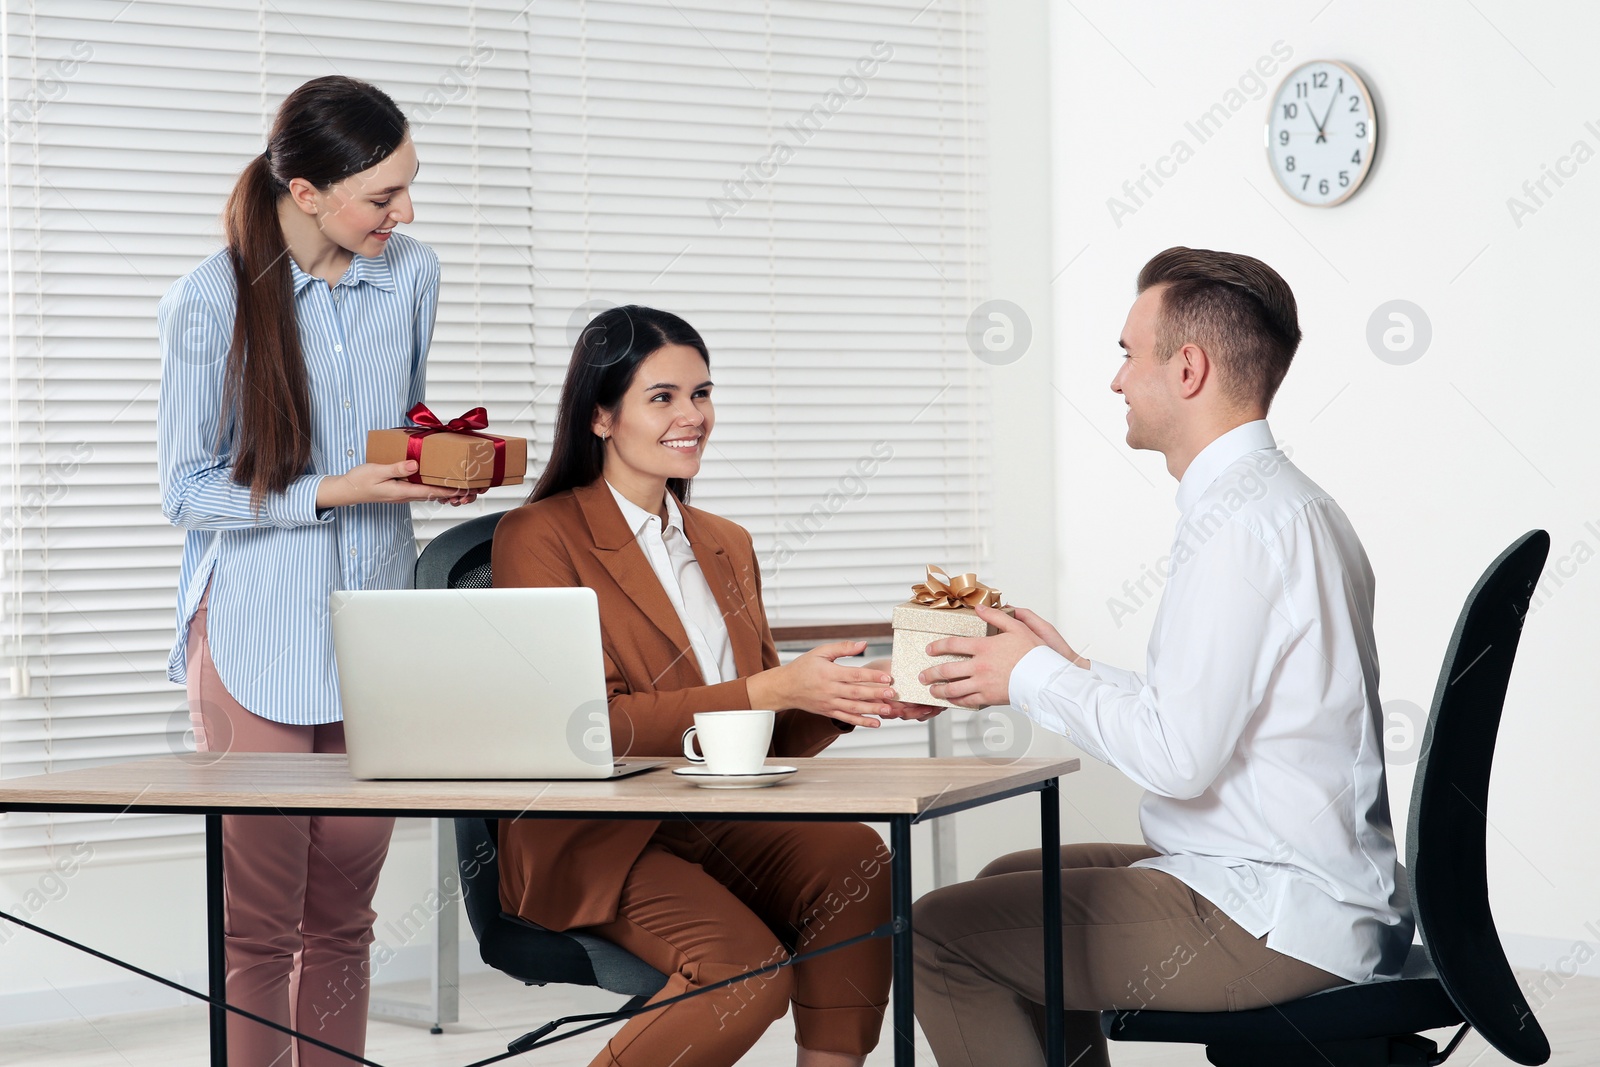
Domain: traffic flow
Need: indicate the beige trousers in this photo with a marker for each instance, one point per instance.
(1131, 938)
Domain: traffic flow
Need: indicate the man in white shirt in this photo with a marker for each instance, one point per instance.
(1268, 870)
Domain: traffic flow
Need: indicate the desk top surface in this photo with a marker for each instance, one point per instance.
(285, 782)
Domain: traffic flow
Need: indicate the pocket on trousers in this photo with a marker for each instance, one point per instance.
(1257, 989)
(1278, 981)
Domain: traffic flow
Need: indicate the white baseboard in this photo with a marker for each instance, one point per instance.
(1557, 961)
(100, 998)
(1560, 958)
(133, 994)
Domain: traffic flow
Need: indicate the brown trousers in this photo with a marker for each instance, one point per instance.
(298, 891)
(1131, 938)
(709, 901)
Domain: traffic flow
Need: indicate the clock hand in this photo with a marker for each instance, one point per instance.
(1314, 122)
(1322, 134)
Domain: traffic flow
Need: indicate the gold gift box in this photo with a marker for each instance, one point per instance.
(453, 460)
(915, 627)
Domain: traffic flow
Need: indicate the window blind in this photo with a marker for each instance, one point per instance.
(800, 180)
(126, 125)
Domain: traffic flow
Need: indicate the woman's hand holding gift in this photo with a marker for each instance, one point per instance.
(815, 683)
(899, 709)
(385, 483)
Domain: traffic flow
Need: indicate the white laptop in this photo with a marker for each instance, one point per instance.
(474, 683)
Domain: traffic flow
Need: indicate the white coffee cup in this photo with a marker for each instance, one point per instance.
(734, 742)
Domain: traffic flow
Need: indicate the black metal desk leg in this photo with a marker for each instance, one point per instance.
(905, 1046)
(1050, 841)
(216, 948)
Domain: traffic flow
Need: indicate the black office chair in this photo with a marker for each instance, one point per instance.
(459, 559)
(1459, 975)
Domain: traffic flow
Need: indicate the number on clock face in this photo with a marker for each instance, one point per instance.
(1321, 133)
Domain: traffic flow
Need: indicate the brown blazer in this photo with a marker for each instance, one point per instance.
(566, 873)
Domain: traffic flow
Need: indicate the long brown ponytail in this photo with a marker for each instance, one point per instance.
(325, 131)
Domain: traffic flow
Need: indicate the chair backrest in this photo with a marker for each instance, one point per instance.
(459, 557)
(1446, 833)
(478, 863)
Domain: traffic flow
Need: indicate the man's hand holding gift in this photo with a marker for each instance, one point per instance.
(984, 679)
(942, 607)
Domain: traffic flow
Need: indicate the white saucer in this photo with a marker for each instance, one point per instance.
(768, 775)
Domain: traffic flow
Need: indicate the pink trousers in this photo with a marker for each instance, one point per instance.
(298, 891)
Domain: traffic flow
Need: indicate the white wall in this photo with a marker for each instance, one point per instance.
(152, 914)
(1027, 554)
(1440, 463)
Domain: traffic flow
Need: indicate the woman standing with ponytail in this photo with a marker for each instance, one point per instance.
(279, 353)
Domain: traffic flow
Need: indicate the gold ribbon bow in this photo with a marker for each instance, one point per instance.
(963, 591)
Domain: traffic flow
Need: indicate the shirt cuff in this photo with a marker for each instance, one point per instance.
(1032, 673)
(1047, 687)
(297, 505)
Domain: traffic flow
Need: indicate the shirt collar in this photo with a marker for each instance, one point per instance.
(1218, 456)
(374, 270)
(638, 519)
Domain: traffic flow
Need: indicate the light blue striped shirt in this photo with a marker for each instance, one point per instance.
(365, 343)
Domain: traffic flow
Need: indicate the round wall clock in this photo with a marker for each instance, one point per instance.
(1321, 133)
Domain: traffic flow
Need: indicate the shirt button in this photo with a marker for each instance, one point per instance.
(338, 348)
(349, 451)
(347, 403)
(352, 553)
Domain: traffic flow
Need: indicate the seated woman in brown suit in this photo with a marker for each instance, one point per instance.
(685, 631)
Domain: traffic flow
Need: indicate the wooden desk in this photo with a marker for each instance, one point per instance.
(900, 792)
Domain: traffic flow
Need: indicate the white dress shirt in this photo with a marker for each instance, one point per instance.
(1256, 729)
(672, 558)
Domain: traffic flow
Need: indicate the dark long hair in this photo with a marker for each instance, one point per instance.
(604, 361)
(325, 131)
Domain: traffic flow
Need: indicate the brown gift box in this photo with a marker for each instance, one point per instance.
(915, 626)
(453, 460)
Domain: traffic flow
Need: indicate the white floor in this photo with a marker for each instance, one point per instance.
(494, 1010)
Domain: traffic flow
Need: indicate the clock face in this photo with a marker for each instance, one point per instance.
(1321, 133)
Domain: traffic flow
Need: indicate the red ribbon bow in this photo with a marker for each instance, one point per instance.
(466, 424)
